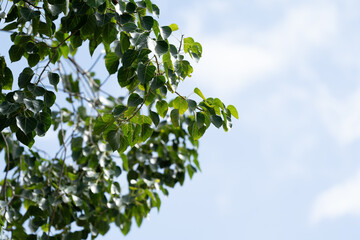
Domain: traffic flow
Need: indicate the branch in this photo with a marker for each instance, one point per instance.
(54, 50)
(31, 4)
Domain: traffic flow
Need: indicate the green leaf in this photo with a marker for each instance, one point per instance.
(44, 123)
(200, 119)
(6, 76)
(146, 132)
(149, 5)
(199, 93)
(6, 108)
(95, 3)
(158, 82)
(34, 105)
(125, 162)
(130, 7)
(25, 77)
(216, 120)
(174, 115)
(104, 123)
(113, 138)
(145, 73)
(162, 108)
(129, 57)
(134, 100)
(174, 27)
(109, 32)
(54, 79)
(15, 53)
(147, 22)
(155, 118)
(26, 124)
(141, 119)
(28, 14)
(49, 98)
(125, 76)
(161, 47)
(118, 110)
(26, 139)
(165, 32)
(233, 111)
(191, 170)
(36, 90)
(180, 104)
(111, 62)
(197, 132)
(192, 104)
(33, 59)
(129, 27)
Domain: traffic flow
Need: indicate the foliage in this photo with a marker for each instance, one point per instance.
(117, 154)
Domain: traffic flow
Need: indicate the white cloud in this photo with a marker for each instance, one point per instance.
(340, 200)
(340, 116)
(238, 57)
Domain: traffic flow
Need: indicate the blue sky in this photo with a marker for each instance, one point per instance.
(289, 168)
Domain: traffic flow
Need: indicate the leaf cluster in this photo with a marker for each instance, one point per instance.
(148, 136)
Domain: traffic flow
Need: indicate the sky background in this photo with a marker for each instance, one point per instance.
(289, 168)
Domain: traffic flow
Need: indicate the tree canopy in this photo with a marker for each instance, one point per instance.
(117, 154)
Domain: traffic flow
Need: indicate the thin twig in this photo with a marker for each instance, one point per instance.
(181, 40)
(54, 49)
(31, 4)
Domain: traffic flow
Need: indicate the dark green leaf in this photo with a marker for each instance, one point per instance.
(165, 32)
(95, 3)
(158, 82)
(145, 73)
(113, 138)
(44, 123)
(130, 7)
(216, 120)
(54, 79)
(192, 104)
(49, 98)
(147, 22)
(28, 14)
(125, 76)
(129, 57)
(118, 110)
(134, 100)
(34, 105)
(154, 117)
(129, 27)
(26, 124)
(33, 59)
(161, 47)
(36, 90)
(200, 119)
(25, 77)
(26, 139)
(16, 52)
(109, 32)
